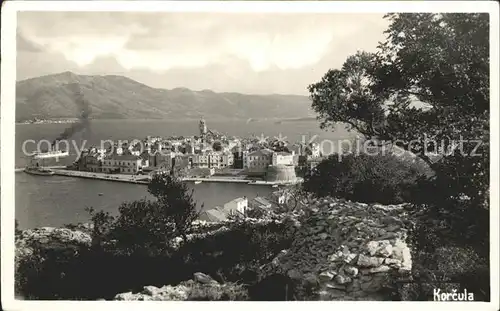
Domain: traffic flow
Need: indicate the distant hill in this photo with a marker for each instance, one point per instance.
(118, 97)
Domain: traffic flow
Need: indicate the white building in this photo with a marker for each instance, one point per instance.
(260, 202)
(258, 161)
(124, 164)
(282, 158)
(227, 160)
(245, 158)
(238, 205)
(213, 159)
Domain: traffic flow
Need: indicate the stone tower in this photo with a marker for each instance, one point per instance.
(203, 128)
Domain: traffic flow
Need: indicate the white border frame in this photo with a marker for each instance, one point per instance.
(8, 83)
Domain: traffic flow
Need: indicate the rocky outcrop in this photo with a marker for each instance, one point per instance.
(202, 287)
(346, 250)
(48, 237)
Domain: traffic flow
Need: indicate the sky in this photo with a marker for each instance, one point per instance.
(253, 53)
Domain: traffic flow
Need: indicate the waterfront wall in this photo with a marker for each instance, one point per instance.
(139, 179)
(281, 173)
(134, 179)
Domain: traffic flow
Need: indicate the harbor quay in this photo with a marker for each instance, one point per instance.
(144, 180)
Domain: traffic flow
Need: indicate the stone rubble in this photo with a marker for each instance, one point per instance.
(202, 286)
(346, 250)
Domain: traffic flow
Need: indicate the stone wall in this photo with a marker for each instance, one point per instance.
(281, 173)
(346, 251)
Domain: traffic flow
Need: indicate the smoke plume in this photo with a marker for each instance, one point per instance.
(83, 118)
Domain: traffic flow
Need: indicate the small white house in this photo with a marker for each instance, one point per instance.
(239, 205)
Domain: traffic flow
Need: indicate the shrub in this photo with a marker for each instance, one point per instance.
(447, 268)
(236, 255)
(146, 227)
(384, 179)
(444, 259)
(54, 272)
(175, 202)
(275, 287)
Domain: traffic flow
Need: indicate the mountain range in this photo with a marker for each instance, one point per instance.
(118, 97)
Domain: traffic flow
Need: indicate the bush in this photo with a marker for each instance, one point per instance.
(447, 268)
(444, 259)
(384, 179)
(55, 272)
(236, 255)
(275, 287)
(146, 227)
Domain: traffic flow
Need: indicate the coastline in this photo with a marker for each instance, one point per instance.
(69, 121)
(214, 119)
(21, 169)
(143, 180)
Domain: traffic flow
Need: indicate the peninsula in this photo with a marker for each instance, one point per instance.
(210, 156)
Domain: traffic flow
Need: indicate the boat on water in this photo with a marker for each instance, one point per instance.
(39, 171)
(50, 154)
(37, 162)
(197, 182)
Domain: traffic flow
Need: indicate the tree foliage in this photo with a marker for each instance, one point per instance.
(217, 145)
(426, 90)
(383, 179)
(438, 61)
(175, 201)
(147, 227)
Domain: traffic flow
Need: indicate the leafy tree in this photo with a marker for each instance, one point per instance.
(279, 145)
(217, 145)
(175, 201)
(426, 90)
(148, 226)
(102, 225)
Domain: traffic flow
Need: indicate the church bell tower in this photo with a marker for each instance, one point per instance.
(203, 128)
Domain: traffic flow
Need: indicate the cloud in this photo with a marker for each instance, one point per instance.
(242, 52)
(22, 44)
